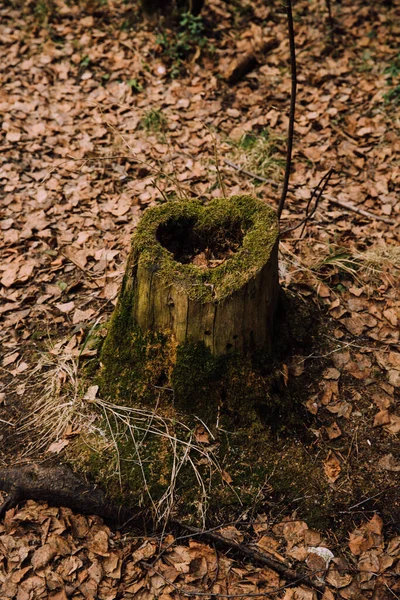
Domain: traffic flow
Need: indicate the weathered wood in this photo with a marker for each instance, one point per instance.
(230, 307)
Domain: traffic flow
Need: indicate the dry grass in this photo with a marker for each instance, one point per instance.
(260, 155)
(136, 426)
(56, 408)
(64, 409)
(322, 261)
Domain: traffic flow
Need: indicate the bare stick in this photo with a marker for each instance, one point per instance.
(360, 211)
(317, 193)
(254, 555)
(250, 174)
(331, 22)
(292, 107)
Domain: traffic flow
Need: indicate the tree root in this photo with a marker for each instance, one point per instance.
(59, 486)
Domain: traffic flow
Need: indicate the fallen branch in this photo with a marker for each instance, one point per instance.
(250, 174)
(317, 193)
(342, 203)
(360, 211)
(250, 60)
(254, 555)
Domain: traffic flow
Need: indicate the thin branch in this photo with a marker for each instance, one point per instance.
(250, 174)
(360, 211)
(254, 555)
(317, 193)
(292, 107)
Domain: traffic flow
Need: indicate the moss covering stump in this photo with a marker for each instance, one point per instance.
(196, 305)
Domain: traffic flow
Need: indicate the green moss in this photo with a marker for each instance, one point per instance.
(257, 222)
(242, 400)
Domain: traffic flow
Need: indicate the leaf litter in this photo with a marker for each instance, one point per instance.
(82, 157)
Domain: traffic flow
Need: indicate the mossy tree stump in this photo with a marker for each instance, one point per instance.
(198, 277)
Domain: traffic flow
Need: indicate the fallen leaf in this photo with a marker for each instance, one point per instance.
(56, 447)
(332, 467)
(381, 418)
(331, 373)
(389, 463)
(226, 477)
(333, 431)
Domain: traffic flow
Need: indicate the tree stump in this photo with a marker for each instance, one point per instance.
(200, 278)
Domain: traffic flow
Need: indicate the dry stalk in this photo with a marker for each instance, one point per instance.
(138, 425)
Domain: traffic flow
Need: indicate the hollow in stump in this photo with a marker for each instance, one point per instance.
(201, 284)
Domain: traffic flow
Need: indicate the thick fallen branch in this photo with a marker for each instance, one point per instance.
(250, 60)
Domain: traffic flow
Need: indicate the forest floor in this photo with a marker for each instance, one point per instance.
(103, 115)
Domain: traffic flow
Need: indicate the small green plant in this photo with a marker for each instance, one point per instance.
(154, 121)
(135, 85)
(393, 72)
(393, 95)
(85, 62)
(43, 11)
(260, 154)
(177, 46)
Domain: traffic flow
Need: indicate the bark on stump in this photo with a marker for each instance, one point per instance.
(197, 276)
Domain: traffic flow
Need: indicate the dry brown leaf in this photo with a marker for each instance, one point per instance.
(333, 431)
(311, 405)
(394, 426)
(355, 325)
(57, 446)
(8, 360)
(98, 544)
(231, 533)
(381, 418)
(331, 373)
(394, 377)
(146, 551)
(226, 477)
(389, 463)
(337, 579)
(42, 556)
(332, 467)
(201, 434)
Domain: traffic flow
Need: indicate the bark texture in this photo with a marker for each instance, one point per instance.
(229, 307)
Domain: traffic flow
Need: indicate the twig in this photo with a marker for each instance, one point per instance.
(254, 555)
(208, 594)
(391, 591)
(85, 271)
(317, 193)
(360, 211)
(220, 181)
(7, 422)
(372, 497)
(250, 174)
(331, 22)
(292, 108)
